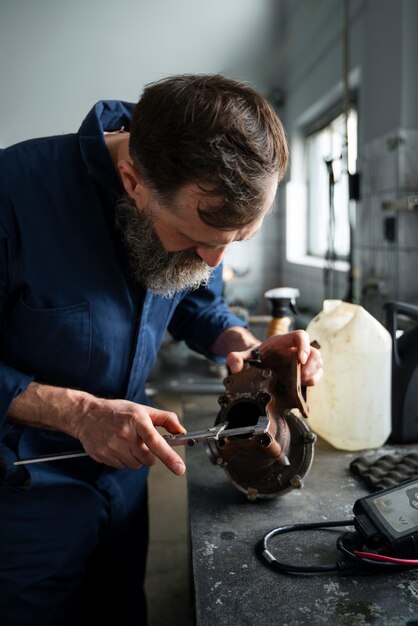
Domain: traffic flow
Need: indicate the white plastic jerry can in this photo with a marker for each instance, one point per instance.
(351, 406)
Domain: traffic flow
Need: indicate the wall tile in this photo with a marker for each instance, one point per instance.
(389, 274)
(377, 217)
(380, 165)
(374, 305)
(408, 230)
(408, 160)
(386, 270)
(408, 276)
(273, 228)
(363, 222)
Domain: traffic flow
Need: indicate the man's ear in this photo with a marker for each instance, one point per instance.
(133, 183)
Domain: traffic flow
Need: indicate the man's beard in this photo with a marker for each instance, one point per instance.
(163, 272)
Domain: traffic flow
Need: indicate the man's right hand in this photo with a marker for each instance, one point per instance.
(118, 433)
(123, 434)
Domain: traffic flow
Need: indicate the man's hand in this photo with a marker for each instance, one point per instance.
(118, 433)
(297, 341)
(123, 434)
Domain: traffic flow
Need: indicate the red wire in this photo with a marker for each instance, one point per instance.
(388, 559)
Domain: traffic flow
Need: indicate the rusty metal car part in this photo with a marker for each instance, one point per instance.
(270, 464)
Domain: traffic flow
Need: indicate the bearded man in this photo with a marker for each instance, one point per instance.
(108, 237)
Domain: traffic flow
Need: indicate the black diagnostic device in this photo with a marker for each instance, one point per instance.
(388, 520)
(385, 522)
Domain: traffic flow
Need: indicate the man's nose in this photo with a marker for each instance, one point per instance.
(211, 256)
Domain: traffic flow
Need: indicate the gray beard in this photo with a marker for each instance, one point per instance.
(163, 272)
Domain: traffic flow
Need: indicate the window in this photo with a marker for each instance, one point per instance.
(328, 229)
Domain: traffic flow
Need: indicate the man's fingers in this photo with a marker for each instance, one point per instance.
(282, 346)
(168, 420)
(122, 434)
(296, 341)
(313, 380)
(235, 360)
(311, 372)
(156, 444)
(137, 461)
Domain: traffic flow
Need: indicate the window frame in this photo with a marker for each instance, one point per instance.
(308, 132)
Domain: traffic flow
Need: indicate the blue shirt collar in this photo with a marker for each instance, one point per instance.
(106, 115)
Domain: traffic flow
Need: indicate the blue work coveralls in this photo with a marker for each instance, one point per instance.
(73, 533)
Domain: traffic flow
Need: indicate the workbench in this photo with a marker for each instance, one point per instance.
(232, 587)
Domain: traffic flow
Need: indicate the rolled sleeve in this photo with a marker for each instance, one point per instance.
(12, 383)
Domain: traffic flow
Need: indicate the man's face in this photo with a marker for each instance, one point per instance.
(171, 248)
(153, 266)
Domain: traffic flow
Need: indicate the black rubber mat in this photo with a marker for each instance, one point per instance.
(380, 472)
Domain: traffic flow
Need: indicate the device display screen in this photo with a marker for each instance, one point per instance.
(398, 508)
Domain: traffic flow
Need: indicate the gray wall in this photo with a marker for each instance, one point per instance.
(307, 66)
(58, 57)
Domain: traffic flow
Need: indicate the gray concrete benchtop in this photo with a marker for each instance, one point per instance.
(233, 587)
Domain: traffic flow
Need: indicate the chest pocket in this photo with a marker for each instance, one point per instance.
(54, 344)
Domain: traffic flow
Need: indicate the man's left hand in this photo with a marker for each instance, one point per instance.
(286, 344)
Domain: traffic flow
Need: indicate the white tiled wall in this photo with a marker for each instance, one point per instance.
(389, 171)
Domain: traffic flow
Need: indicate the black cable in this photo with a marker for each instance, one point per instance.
(300, 569)
(351, 542)
(348, 543)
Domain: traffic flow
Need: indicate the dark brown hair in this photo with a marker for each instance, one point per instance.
(215, 132)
